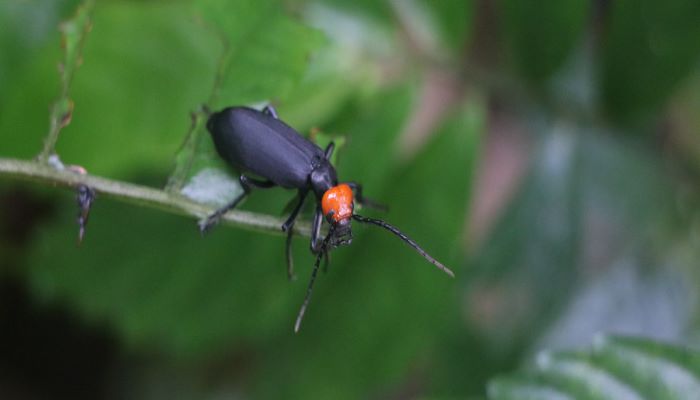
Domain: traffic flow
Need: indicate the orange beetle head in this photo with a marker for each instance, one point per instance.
(337, 205)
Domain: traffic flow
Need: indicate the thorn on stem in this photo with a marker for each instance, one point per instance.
(85, 197)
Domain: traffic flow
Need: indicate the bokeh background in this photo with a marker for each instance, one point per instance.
(547, 151)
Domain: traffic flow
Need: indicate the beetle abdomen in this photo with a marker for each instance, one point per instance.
(252, 141)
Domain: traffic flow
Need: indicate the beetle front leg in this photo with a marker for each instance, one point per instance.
(365, 202)
(246, 183)
(287, 227)
(316, 241)
(329, 150)
(289, 223)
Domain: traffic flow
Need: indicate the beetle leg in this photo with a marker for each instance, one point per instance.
(289, 223)
(309, 289)
(365, 202)
(246, 183)
(329, 150)
(288, 254)
(270, 110)
(326, 261)
(323, 250)
(287, 227)
(316, 241)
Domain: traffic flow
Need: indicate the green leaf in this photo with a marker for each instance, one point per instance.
(438, 28)
(146, 66)
(520, 388)
(454, 19)
(28, 29)
(531, 260)
(349, 67)
(615, 368)
(541, 34)
(372, 133)
(265, 53)
(649, 47)
(534, 241)
(162, 286)
(438, 25)
(379, 11)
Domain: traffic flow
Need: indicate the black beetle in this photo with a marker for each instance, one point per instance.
(257, 143)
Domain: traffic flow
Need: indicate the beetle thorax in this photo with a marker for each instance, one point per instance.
(322, 178)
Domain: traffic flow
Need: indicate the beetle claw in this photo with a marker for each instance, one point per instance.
(206, 224)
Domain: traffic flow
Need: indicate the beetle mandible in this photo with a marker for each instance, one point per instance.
(267, 153)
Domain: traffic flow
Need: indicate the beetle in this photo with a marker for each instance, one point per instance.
(269, 153)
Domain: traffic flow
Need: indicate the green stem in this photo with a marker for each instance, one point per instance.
(141, 195)
(73, 34)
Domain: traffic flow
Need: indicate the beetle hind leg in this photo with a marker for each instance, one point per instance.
(288, 227)
(213, 219)
(247, 184)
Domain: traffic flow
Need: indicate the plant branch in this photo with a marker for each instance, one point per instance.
(141, 195)
(73, 34)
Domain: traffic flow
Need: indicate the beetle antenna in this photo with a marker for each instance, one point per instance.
(302, 310)
(406, 239)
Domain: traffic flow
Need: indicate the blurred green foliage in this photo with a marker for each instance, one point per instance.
(278, 52)
(615, 368)
(649, 49)
(542, 34)
(213, 316)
